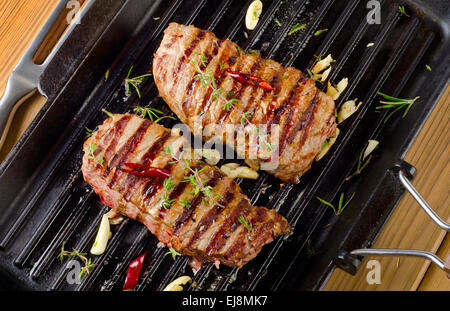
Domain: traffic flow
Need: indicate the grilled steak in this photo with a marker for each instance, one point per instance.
(193, 71)
(214, 222)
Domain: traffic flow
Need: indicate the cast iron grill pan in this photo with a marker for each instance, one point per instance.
(53, 205)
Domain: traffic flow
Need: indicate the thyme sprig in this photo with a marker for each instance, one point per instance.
(153, 114)
(173, 253)
(403, 11)
(397, 103)
(90, 153)
(207, 79)
(199, 184)
(88, 265)
(89, 132)
(341, 206)
(247, 224)
(134, 82)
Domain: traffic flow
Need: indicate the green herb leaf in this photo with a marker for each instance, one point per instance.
(397, 103)
(318, 32)
(247, 225)
(173, 253)
(296, 28)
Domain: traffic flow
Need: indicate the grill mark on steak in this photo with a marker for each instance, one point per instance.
(256, 70)
(210, 217)
(216, 71)
(237, 95)
(277, 83)
(240, 241)
(289, 122)
(147, 160)
(172, 40)
(306, 120)
(116, 133)
(127, 150)
(178, 72)
(152, 186)
(285, 105)
(155, 148)
(176, 192)
(189, 210)
(228, 226)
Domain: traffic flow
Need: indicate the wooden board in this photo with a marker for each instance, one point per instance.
(408, 227)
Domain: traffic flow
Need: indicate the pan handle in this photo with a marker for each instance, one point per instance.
(346, 259)
(445, 266)
(24, 80)
(425, 206)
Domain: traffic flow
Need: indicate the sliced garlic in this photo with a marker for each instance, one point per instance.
(114, 218)
(227, 171)
(253, 13)
(347, 109)
(332, 91)
(327, 145)
(322, 64)
(370, 147)
(175, 286)
(342, 85)
(370, 44)
(212, 156)
(233, 170)
(245, 172)
(232, 165)
(103, 235)
(325, 74)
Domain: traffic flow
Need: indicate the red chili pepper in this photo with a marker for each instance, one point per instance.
(249, 79)
(143, 170)
(180, 36)
(133, 272)
(103, 201)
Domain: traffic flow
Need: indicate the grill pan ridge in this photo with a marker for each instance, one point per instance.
(49, 203)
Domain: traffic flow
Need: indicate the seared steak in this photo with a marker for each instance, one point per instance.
(214, 222)
(192, 71)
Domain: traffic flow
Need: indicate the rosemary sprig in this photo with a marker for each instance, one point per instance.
(87, 261)
(173, 253)
(134, 82)
(361, 165)
(153, 114)
(247, 224)
(340, 208)
(397, 103)
(296, 28)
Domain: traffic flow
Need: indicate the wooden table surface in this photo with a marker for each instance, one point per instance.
(408, 227)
